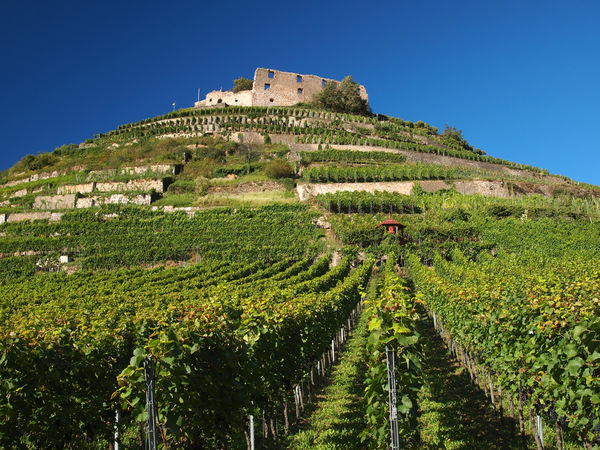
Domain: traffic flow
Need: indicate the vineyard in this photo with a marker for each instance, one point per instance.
(224, 340)
(527, 327)
(167, 285)
(125, 236)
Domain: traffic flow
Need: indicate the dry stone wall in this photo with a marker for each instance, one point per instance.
(115, 199)
(65, 201)
(470, 187)
(19, 193)
(41, 215)
(133, 185)
(34, 177)
(76, 188)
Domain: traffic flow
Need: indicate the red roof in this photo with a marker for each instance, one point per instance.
(390, 221)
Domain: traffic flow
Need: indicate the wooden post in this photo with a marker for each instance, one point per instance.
(521, 418)
(286, 421)
(559, 437)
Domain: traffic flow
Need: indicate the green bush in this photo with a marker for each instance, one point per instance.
(37, 162)
(279, 168)
(242, 84)
(215, 154)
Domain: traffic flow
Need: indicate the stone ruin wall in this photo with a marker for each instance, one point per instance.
(215, 98)
(274, 88)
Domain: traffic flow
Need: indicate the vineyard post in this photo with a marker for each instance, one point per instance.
(117, 420)
(251, 417)
(332, 351)
(150, 403)
(540, 429)
(391, 373)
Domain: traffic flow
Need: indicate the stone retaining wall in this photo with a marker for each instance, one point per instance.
(466, 187)
(66, 201)
(76, 188)
(132, 185)
(115, 199)
(46, 215)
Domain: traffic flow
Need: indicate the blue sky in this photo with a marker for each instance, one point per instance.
(521, 79)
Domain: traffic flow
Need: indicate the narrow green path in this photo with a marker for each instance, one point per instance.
(453, 413)
(337, 418)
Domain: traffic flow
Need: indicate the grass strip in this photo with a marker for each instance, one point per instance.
(337, 418)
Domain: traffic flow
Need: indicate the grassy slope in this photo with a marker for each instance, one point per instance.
(454, 414)
(337, 419)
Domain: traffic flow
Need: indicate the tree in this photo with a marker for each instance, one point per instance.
(242, 84)
(344, 98)
(451, 135)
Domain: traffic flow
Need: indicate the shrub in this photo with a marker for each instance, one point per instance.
(279, 168)
(37, 162)
(215, 154)
(242, 84)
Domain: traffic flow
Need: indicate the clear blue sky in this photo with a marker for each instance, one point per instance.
(521, 79)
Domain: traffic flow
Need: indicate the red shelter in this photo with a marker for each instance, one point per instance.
(392, 225)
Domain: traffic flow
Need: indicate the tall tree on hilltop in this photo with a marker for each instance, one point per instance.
(344, 97)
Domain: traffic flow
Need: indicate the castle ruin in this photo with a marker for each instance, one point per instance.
(273, 88)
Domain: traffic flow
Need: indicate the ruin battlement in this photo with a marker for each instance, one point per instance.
(273, 88)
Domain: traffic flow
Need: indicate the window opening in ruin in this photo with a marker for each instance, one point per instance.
(358, 91)
(299, 78)
(323, 83)
(271, 74)
(299, 90)
(236, 100)
(267, 86)
(220, 100)
(210, 99)
(271, 100)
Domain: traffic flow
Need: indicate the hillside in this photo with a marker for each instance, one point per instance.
(214, 157)
(230, 253)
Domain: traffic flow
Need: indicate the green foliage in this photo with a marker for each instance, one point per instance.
(67, 150)
(242, 84)
(215, 154)
(392, 319)
(530, 320)
(279, 168)
(343, 98)
(140, 236)
(360, 201)
(453, 137)
(36, 162)
(382, 173)
(220, 337)
(333, 155)
(238, 169)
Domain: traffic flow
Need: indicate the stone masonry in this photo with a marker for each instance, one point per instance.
(274, 88)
